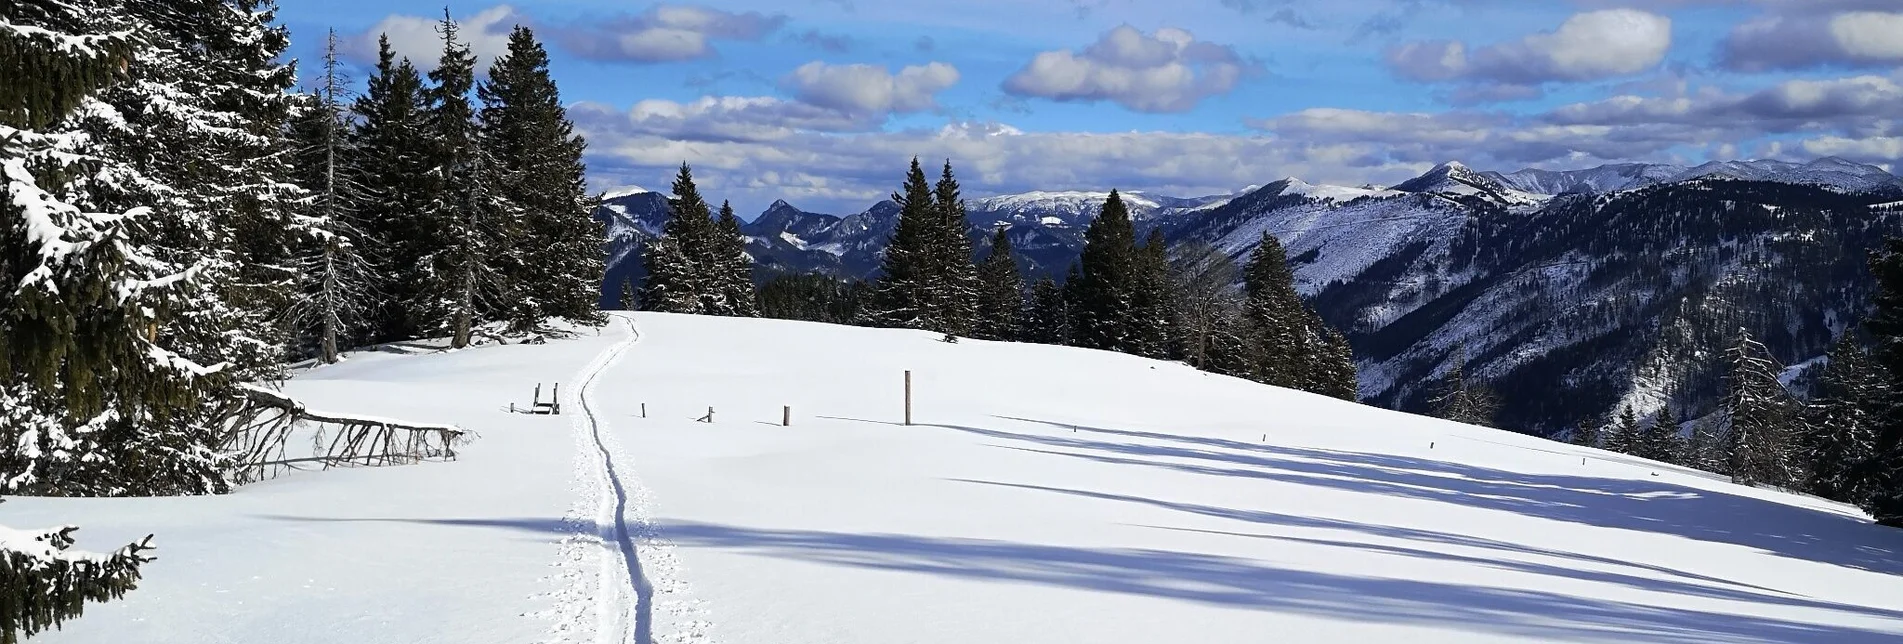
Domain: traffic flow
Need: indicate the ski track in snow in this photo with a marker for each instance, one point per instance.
(612, 526)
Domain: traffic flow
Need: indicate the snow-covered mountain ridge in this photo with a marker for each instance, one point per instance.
(1586, 281)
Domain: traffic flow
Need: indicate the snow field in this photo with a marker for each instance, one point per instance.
(1045, 495)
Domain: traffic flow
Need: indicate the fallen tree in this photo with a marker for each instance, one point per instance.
(261, 438)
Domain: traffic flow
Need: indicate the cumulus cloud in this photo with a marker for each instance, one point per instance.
(415, 37)
(664, 33)
(845, 173)
(870, 89)
(1799, 40)
(1165, 71)
(1843, 103)
(1852, 117)
(1589, 46)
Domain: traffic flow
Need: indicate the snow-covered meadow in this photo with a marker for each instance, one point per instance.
(1043, 494)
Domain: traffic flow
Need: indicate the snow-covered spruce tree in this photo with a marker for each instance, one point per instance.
(1661, 441)
(552, 254)
(1275, 317)
(1838, 441)
(678, 263)
(1585, 434)
(394, 165)
(1001, 292)
(1624, 435)
(626, 299)
(1884, 472)
(1152, 302)
(1759, 415)
(76, 372)
(1334, 370)
(335, 282)
(201, 126)
(903, 296)
(1230, 350)
(115, 327)
(1104, 303)
(954, 287)
(44, 582)
(1048, 320)
(464, 211)
(732, 268)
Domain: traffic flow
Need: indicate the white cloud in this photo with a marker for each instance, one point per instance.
(1165, 71)
(1800, 39)
(664, 33)
(1588, 46)
(1875, 149)
(416, 38)
(870, 89)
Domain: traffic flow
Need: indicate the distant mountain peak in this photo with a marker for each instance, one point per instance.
(625, 191)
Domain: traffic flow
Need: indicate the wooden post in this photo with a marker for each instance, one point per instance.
(644, 410)
(786, 416)
(555, 399)
(908, 397)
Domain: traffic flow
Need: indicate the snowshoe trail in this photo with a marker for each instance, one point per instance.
(615, 537)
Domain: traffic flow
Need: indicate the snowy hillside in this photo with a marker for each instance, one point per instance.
(1086, 497)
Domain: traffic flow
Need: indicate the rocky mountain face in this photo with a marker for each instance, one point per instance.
(1575, 293)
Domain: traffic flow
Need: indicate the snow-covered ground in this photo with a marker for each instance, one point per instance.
(1044, 494)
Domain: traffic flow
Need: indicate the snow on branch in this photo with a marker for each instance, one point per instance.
(44, 582)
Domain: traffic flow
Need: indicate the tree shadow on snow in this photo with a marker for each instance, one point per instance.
(1650, 506)
(1250, 584)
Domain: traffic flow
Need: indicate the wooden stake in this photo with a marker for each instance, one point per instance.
(908, 397)
(786, 416)
(644, 410)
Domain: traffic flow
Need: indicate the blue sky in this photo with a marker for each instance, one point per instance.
(822, 102)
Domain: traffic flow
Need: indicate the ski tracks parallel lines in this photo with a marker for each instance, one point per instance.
(611, 512)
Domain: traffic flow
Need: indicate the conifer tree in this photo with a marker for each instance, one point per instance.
(1759, 417)
(212, 165)
(1334, 368)
(463, 209)
(1839, 426)
(553, 260)
(955, 287)
(334, 279)
(1274, 313)
(1153, 307)
(1001, 296)
(393, 164)
(113, 319)
(733, 268)
(903, 296)
(1105, 307)
(678, 264)
(1624, 436)
(75, 357)
(1585, 434)
(626, 299)
(1661, 441)
(1049, 319)
(1884, 472)
(1230, 351)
